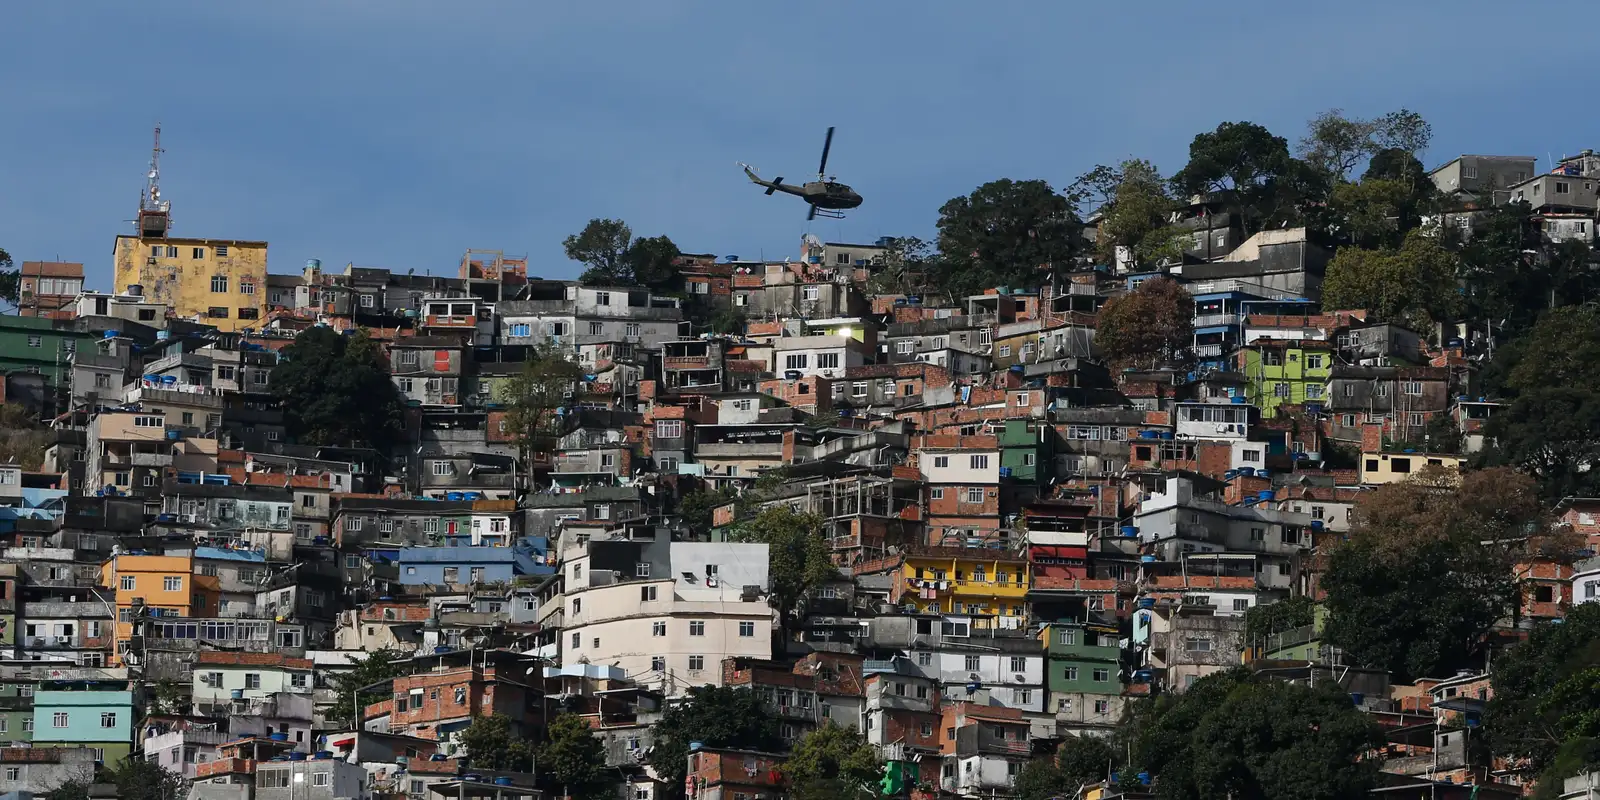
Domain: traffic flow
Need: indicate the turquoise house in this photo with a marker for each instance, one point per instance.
(97, 718)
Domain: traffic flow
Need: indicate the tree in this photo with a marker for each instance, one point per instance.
(1552, 428)
(728, 321)
(1543, 689)
(491, 744)
(69, 790)
(1006, 233)
(1085, 759)
(1252, 171)
(577, 759)
(697, 506)
(1246, 736)
(612, 257)
(10, 279)
(797, 552)
(22, 438)
(1414, 285)
(1335, 144)
(335, 390)
(902, 267)
(1272, 739)
(1134, 213)
(138, 779)
(376, 667)
(602, 247)
(1041, 780)
(534, 397)
(832, 762)
(1152, 323)
(1427, 570)
(716, 716)
(1269, 619)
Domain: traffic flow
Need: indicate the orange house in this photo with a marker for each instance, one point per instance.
(167, 583)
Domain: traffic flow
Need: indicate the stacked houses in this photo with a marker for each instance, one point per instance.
(1026, 542)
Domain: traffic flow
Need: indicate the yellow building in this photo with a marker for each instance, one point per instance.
(167, 583)
(223, 281)
(963, 580)
(1379, 468)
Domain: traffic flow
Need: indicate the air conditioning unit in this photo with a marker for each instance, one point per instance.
(1019, 678)
(151, 260)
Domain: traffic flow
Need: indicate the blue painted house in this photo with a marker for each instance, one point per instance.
(82, 715)
(465, 563)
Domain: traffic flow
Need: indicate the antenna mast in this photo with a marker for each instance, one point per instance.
(154, 213)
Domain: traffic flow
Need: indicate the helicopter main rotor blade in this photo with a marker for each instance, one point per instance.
(827, 143)
(812, 214)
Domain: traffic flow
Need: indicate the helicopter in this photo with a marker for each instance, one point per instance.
(827, 197)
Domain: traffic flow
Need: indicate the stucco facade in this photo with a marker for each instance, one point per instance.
(222, 281)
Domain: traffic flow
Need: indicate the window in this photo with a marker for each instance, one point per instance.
(217, 312)
(1197, 644)
(1413, 388)
(1314, 361)
(1562, 187)
(747, 629)
(1102, 675)
(577, 641)
(858, 389)
(658, 629)
(697, 628)
(595, 329)
(108, 719)
(247, 286)
(443, 468)
(602, 298)
(58, 720)
(905, 347)
(630, 329)
(796, 360)
(172, 583)
(219, 284)
(127, 583)
(1067, 637)
(972, 663)
(974, 495)
(1018, 664)
(1005, 351)
(1401, 465)
(1313, 391)
(978, 462)
(827, 361)
(320, 778)
(925, 659)
(1280, 390)
(252, 680)
(697, 663)
(521, 329)
(1416, 419)
(1024, 696)
(13, 773)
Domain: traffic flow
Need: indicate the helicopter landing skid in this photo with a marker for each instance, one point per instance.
(825, 212)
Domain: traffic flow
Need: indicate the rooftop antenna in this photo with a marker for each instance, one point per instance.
(154, 212)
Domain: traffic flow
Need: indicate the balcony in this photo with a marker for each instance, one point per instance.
(738, 450)
(225, 766)
(158, 460)
(1215, 320)
(1208, 350)
(686, 362)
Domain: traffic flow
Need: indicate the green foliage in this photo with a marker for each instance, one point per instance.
(376, 667)
(1153, 323)
(1041, 780)
(1414, 285)
(1426, 571)
(69, 790)
(1544, 691)
(612, 257)
(532, 396)
(1552, 428)
(492, 744)
(695, 508)
(1251, 170)
(902, 267)
(1137, 204)
(10, 279)
(137, 779)
(1235, 734)
(1006, 233)
(335, 390)
(717, 716)
(830, 763)
(1388, 203)
(1085, 759)
(728, 321)
(1574, 757)
(167, 697)
(577, 759)
(797, 552)
(1268, 619)
(1335, 144)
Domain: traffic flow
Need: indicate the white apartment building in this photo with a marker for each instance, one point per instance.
(667, 613)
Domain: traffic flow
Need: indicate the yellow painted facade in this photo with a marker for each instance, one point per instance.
(966, 585)
(1380, 468)
(223, 281)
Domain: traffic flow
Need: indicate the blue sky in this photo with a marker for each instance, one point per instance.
(398, 133)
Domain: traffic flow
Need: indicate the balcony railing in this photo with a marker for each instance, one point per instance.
(1211, 320)
(1208, 350)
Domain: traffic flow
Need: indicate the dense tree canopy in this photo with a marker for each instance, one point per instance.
(1006, 233)
(10, 279)
(1544, 689)
(373, 668)
(1552, 428)
(832, 762)
(1252, 172)
(576, 758)
(1414, 285)
(1135, 205)
(1234, 734)
(1427, 570)
(715, 716)
(335, 390)
(1152, 324)
(797, 550)
(492, 744)
(613, 257)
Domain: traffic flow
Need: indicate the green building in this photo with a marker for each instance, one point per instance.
(40, 346)
(1082, 662)
(1027, 450)
(1283, 371)
(16, 710)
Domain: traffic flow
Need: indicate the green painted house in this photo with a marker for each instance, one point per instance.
(1082, 662)
(1282, 371)
(43, 346)
(16, 710)
(1025, 445)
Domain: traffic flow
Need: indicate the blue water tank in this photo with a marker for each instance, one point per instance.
(174, 435)
(110, 334)
(502, 781)
(1239, 400)
(472, 495)
(1356, 698)
(313, 263)
(1129, 531)
(237, 694)
(1147, 602)
(169, 380)
(297, 756)
(1005, 472)
(1166, 435)
(163, 335)
(280, 737)
(1316, 524)
(452, 496)
(1265, 494)
(1147, 559)
(696, 745)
